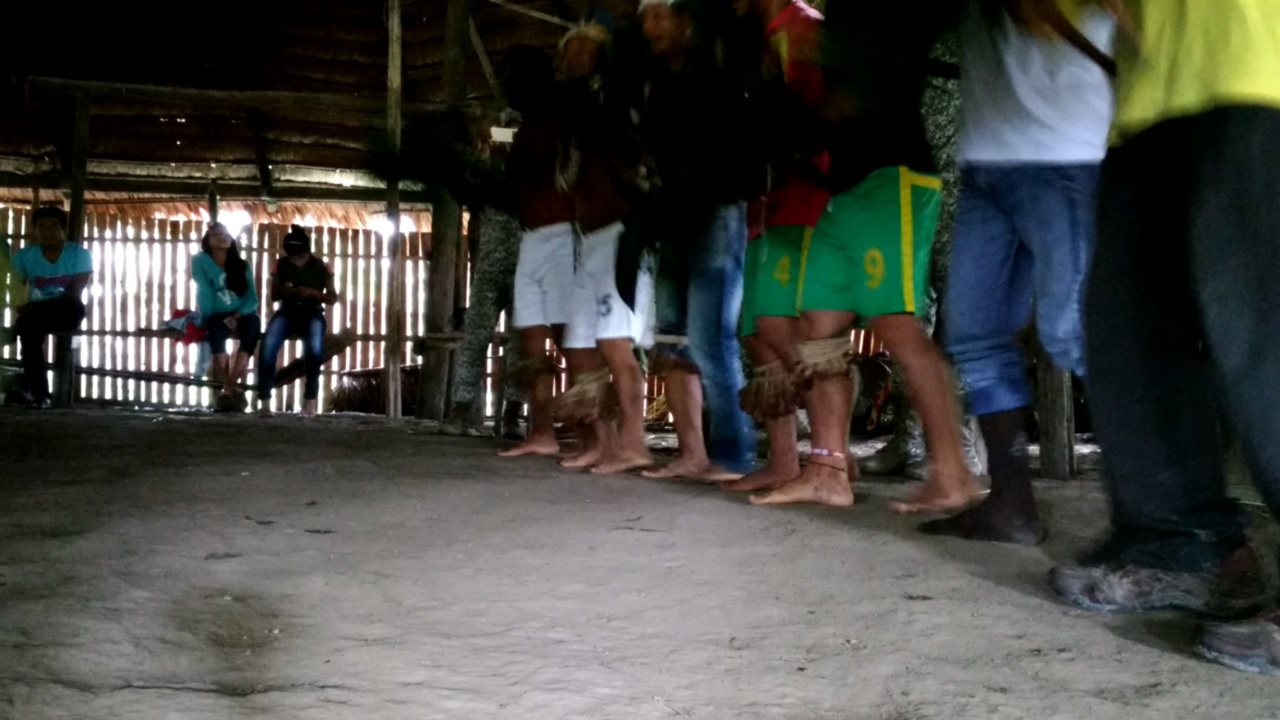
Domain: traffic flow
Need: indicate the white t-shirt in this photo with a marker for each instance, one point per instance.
(1030, 99)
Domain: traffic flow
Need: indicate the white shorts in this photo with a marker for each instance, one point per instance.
(596, 312)
(544, 276)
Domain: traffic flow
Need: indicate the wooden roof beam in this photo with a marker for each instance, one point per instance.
(264, 100)
(261, 149)
(199, 188)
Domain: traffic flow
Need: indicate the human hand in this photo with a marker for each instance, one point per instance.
(231, 321)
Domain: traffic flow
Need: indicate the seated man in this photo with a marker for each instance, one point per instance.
(303, 285)
(49, 277)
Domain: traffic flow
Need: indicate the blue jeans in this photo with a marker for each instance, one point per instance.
(248, 329)
(1023, 232)
(699, 294)
(310, 328)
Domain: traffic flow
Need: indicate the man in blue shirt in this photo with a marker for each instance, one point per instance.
(50, 277)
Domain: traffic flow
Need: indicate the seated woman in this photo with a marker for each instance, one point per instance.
(303, 285)
(228, 302)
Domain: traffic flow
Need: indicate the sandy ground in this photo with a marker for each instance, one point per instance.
(161, 566)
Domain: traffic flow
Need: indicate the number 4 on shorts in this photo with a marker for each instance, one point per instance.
(782, 271)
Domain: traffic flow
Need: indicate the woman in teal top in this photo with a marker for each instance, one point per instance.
(228, 302)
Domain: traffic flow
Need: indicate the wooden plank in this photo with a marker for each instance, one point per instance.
(135, 348)
(342, 283)
(486, 64)
(92, 354)
(446, 228)
(119, 306)
(445, 232)
(395, 291)
(1056, 416)
(79, 166)
(170, 296)
(63, 370)
(170, 233)
(213, 201)
(221, 99)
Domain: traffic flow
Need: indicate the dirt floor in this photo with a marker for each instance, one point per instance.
(167, 566)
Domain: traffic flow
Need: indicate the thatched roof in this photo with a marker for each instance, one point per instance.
(200, 91)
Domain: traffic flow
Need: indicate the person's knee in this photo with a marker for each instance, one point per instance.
(758, 349)
(533, 340)
(821, 325)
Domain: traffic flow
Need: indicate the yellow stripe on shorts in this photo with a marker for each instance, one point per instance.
(906, 181)
(804, 263)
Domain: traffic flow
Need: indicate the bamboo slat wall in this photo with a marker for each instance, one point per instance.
(142, 274)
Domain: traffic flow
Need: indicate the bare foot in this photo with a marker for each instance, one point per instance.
(590, 458)
(768, 477)
(534, 445)
(308, 409)
(692, 469)
(819, 483)
(265, 412)
(623, 462)
(934, 497)
(942, 492)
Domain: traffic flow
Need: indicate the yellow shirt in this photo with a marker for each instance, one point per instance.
(1195, 55)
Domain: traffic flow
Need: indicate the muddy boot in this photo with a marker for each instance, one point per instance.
(456, 423)
(904, 450)
(918, 465)
(511, 421)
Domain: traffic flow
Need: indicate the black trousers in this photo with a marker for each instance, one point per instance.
(1183, 332)
(35, 323)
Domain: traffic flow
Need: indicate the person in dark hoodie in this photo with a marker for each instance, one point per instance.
(302, 285)
(693, 121)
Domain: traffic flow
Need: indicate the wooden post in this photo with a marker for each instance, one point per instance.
(1056, 415)
(79, 168)
(485, 63)
(395, 244)
(213, 201)
(446, 229)
(64, 369)
(64, 353)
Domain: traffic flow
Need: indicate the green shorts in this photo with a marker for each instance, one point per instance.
(773, 275)
(871, 249)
